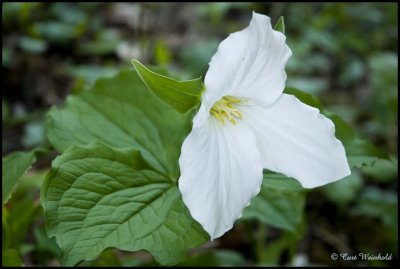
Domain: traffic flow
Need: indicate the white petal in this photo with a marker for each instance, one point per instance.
(249, 64)
(220, 172)
(298, 141)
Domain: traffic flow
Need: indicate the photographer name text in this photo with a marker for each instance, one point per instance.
(362, 256)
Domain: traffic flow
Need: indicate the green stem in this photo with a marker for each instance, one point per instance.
(257, 237)
(261, 242)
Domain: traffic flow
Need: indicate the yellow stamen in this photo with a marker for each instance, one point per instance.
(225, 107)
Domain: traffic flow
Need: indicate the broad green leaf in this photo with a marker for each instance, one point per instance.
(180, 95)
(123, 113)
(280, 25)
(96, 197)
(14, 166)
(280, 202)
(359, 152)
(10, 257)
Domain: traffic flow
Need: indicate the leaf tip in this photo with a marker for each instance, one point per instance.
(280, 25)
(135, 63)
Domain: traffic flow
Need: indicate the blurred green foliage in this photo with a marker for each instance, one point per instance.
(344, 53)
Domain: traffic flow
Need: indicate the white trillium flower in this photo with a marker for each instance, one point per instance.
(246, 123)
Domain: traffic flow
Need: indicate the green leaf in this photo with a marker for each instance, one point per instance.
(55, 31)
(123, 113)
(359, 152)
(10, 257)
(215, 257)
(380, 204)
(88, 74)
(109, 258)
(306, 98)
(34, 134)
(180, 95)
(32, 45)
(6, 229)
(96, 197)
(6, 59)
(45, 244)
(280, 25)
(383, 170)
(22, 210)
(280, 202)
(344, 191)
(105, 42)
(273, 252)
(14, 166)
(120, 112)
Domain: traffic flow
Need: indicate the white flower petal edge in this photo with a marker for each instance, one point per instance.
(249, 63)
(298, 141)
(220, 172)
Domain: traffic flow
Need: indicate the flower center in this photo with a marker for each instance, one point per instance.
(225, 108)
